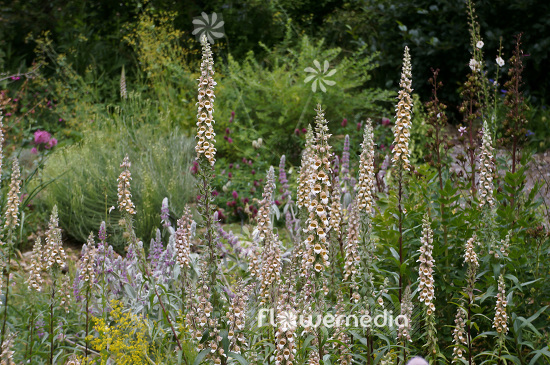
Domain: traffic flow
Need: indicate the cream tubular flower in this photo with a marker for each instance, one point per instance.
(53, 250)
(365, 185)
(403, 112)
(425, 272)
(183, 238)
(124, 196)
(486, 169)
(318, 223)
(35, 280)
(470, 256)
(12, 209)
(205, 120)
(500, 322)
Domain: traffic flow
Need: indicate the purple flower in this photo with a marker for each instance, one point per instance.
(227, 130)
(230, 165)
(304, 130)
(386, 122)
(232, 113)
(215, 193)
(34, 151)
(235, 194)
(344, 122)
(229, 176)
(229, 140)
(253, 172)
(359, 126)
(51, 143)
(42, 137)
(529, 133)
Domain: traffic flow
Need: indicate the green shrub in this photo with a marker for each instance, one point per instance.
(86, 180)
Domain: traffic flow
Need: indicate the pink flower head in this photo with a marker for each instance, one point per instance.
(461, 130)
(229, 176)
(229, 140)
(386, 122)
(235, 194)
(304, 130)
(344, 122)
(51, 143)
(41, 137)
(253, 172)
(34, 151)
(359, 126)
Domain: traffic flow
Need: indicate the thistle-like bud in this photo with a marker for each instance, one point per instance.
(403, 112)
(365, 185)
(425, 271)
(124, 195)
(500, 322)
(12, 209)
(205, 124)
(183, 238)
(35, 280)
(486, 169)
(54, 253)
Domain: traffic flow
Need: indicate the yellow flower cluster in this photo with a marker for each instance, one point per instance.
(123, 340)
(205, 124)
(124, 196)
(403, 111)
